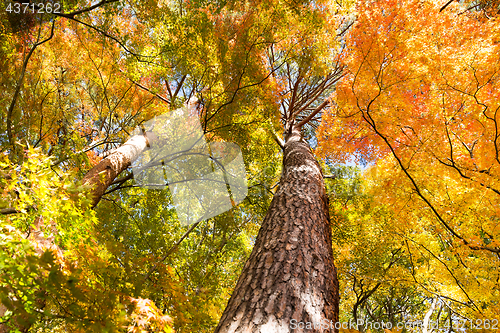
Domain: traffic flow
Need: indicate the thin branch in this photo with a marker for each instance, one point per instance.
(153, 93)
(446, 5)
(449, 271)
(412, 271)
(313, 94)
(105, 34)
(178, 88)
(368, 118)
(345, 29)
(275, 136)
(309, 117)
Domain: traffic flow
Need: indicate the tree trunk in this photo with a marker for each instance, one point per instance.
(289, 283)
(104, 173)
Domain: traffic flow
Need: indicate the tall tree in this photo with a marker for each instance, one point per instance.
(290, 275)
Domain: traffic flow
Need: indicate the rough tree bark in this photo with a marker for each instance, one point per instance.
(290, 276)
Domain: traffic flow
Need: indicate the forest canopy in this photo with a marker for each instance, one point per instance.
(397, 101)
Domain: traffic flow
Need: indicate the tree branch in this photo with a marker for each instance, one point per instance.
(309, 117)
(368, 118)
(446, 5)
(169, 252)
(105, 34)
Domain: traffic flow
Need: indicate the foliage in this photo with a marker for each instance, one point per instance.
(47, 286)
(419, 102)
(75, 86)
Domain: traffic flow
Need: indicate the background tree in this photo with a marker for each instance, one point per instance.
(419, 102)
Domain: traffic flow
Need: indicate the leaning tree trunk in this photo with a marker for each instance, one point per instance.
(290, 277)
(102, 175)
